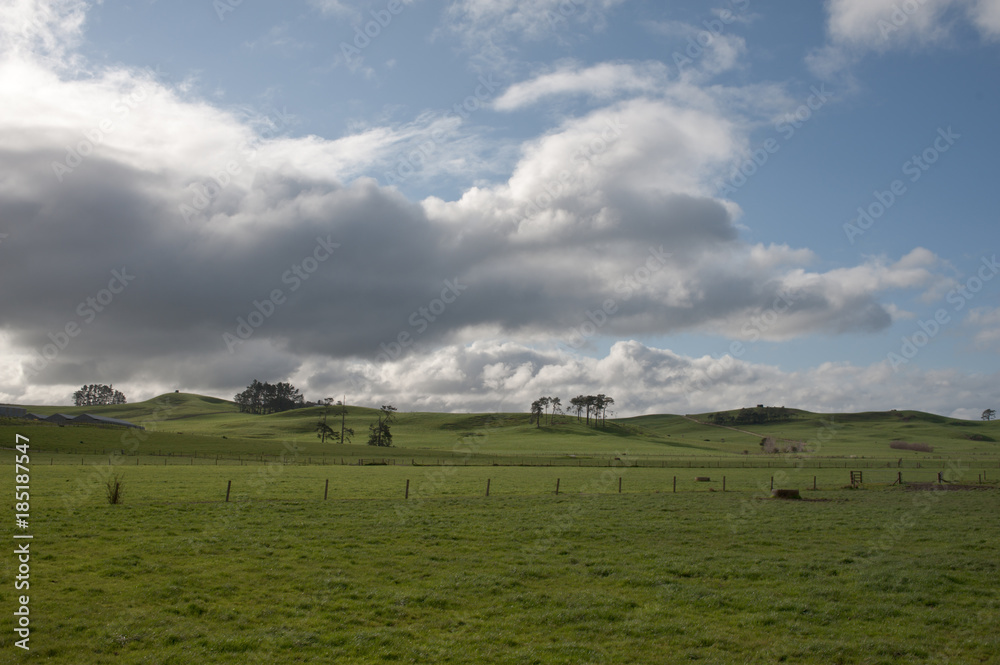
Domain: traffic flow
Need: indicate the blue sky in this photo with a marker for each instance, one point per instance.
(714, 154)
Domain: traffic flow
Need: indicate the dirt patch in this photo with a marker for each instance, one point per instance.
(947, 487)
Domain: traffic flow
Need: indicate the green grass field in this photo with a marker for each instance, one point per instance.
(278, 574)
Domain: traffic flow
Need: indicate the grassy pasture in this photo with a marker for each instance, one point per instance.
(176, 575)
(876, 575)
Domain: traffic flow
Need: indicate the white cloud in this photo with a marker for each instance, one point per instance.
(503, 376)
(986, 321)
(494, 28)
(857, 27)
(41, 28)
(603, 81)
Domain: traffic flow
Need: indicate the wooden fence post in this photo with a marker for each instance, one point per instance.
(557, 486)
(675, 484)
(487, 487)
(814, 482)
(407, 495)
(326, 490)
(229, 486)
(619, 484)
(772, 482)
(723, 483)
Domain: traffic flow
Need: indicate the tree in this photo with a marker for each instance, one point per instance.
(324, 431)
(536, 413)
(577, 404)
(556, 407)
(98, 394)
(989, 414)
(345, 432)
(605, 403)
(379, 433)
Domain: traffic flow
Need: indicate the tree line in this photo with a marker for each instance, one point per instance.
(757, 416)
(586, 405)
(98, 394)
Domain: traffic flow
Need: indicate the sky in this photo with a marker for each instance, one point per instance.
(465, 205)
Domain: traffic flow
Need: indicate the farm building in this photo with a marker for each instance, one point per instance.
(12, 412)
(90, 419)
(61, 418)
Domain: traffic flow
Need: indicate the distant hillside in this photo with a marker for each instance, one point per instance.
(858, 434)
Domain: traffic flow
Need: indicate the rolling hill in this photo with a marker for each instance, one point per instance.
(196, 423)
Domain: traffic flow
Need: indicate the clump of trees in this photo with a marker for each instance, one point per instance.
(591, 405)
(596, 405)
(263, 398)
(98, 395)
(540, 409)
(755, 416)
(379, 433)
(905, 445)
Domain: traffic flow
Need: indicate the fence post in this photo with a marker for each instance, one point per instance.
(487, 487)
(326, 490)
(619, 484)
(723, 483)
(557, 486)
(229, 486)
(675, 484)
(772, 482)
(814, 482)
(407, 495)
